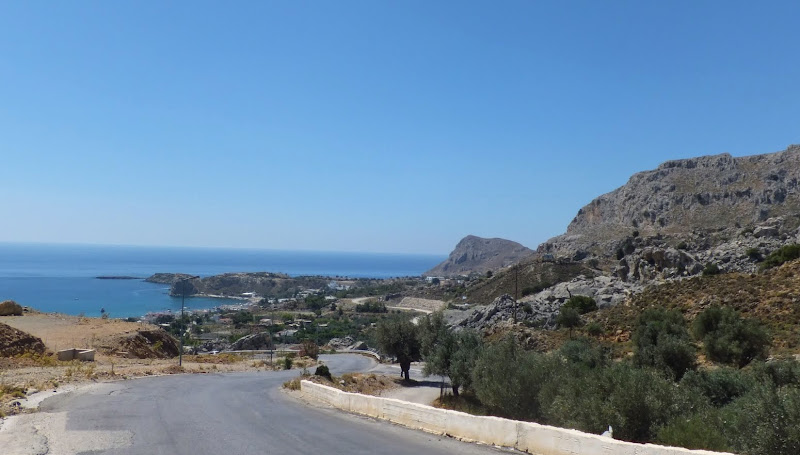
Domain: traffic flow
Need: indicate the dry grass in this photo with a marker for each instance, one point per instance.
(771, 297)
(462, 403)
(367, 384)
(218, 359)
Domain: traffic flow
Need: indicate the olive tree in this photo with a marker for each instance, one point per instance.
(399, 338)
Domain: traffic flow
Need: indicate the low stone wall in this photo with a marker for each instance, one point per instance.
(525, 436)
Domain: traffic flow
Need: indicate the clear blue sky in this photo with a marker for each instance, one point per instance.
(369, 125)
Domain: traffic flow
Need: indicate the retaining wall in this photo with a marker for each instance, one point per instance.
(525, 436)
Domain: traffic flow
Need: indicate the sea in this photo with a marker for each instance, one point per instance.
(63, 278)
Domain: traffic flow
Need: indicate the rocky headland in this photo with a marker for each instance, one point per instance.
(479, 255)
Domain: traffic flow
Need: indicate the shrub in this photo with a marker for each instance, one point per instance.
(728, 338)
(698, 431)
(662, 341)
(287, 363)
(754, 254)
(779, 372)
(371, 306)
(594, 329)
(711, 269)
(720, 386)
(507, 379)
(635, 402)
(581, 303)
(584, 352)
(783, 254)
(309, 349)
(766, 421)
(568, 318)
(323, 371)
(527, 308)
(10, 308)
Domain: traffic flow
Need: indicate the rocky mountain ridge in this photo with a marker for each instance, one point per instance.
(475, 254)
(663, 225)
(717, 198)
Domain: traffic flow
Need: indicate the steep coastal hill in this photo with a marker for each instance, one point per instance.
(703, 201)
(478, 255)
(712, 213)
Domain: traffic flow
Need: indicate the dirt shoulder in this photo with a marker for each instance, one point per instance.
(26, 375)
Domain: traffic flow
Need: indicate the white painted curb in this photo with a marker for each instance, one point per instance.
(525, 436)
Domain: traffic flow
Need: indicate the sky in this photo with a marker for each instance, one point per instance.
(370, 126)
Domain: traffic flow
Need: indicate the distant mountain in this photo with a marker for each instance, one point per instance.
(478, 255)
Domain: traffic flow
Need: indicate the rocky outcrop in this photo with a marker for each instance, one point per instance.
(478, 255)
(15, 342)
(541, 309)
(668, 224)
(717, 197)
(141, 344)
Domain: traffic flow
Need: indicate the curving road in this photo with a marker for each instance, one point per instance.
(238, 413)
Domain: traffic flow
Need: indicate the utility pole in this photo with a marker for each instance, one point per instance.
(516, 290)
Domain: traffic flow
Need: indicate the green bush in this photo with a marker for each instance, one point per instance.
(754, 254)
(323, 371)
(780, 373)
(711, 269)
(697, 431)
(662, 341)
(581, 303)
(720, 386)
(287, 363)
(584, 352)
(635, 402)
(784, 254)
(728, 338)
(568, 318)
(371, 307)
(766, 421)
(594, 329)
(507, 379)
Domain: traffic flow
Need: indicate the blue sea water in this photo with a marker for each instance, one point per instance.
(62, 278)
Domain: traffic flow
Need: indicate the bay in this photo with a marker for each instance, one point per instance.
(62, 278)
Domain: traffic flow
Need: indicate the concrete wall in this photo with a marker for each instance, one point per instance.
(86, 355)
(525, 436)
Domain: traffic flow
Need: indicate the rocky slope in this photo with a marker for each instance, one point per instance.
(667, 224)
(700, 202)
(15, 342)
(478, 255)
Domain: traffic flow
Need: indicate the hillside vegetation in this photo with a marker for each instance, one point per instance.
(771, 297)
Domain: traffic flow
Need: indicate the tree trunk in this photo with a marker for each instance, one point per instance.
(455, 390)
(404, 367)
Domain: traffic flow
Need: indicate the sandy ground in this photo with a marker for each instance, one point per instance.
(59, 331)
(38, 374)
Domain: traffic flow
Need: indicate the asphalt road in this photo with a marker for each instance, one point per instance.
(237, 413)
